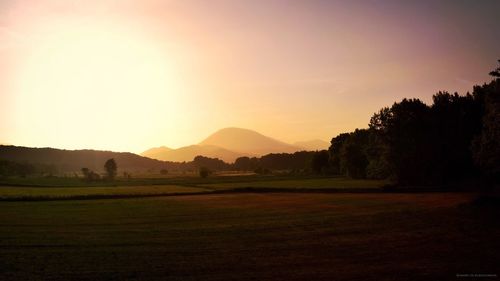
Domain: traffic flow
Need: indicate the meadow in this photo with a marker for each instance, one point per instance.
(20, 193)
(308, 184)
(19, 189)
(206, 234)
(272, 236)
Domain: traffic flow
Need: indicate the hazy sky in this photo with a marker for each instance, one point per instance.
(129, 75)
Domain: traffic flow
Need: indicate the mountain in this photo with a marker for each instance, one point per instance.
(312, 145)
(226, 144)
(188, 153)
(73, 160)
(157, 152)
(247, 142)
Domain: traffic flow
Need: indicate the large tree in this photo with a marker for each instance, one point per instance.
(486, 146)
(456, 120)
(319, 163)
(353, 154)
(405, 131)
(496, 73)
(335, 152)
(111, 168)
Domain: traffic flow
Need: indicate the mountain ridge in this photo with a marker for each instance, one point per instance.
(247, 141)
(230, 143)
(188, 153)
(74, 160)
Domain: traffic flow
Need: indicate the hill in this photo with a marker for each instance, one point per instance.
(156, 152)
(73, 160)
(188, 153)
(226, 144)
(247, 142)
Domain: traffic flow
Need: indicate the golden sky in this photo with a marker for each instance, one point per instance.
(130, 75)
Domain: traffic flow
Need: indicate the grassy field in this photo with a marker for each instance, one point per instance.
(27, 193)
(220, 181)
(268, 236)
(24, 189)
(314, 183)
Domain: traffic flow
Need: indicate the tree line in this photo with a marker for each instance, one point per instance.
(24, 169)
(110, 167)
(455, 138)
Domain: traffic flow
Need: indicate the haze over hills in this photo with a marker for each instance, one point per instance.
(312, 144)
(230, 143)
(157, 152)
(248, 142)
(74, 160)
(227, 144)
(188, 153)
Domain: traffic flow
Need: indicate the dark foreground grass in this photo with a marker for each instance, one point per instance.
(251, 237)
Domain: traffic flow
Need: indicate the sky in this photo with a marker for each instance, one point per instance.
(127, 75)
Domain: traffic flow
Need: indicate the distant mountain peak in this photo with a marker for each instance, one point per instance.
(188, 153)
(226, 144)
(154, 150)
(233, 130)
(247, 141)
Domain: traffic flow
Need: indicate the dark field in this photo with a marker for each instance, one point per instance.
(251, 236)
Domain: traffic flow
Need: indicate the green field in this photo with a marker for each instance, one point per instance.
(27, 193)
(222, 181)
(70, 188)
(315, 183)
(255, 236)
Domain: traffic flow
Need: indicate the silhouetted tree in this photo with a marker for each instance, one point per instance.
(451, 140)
(320, 162)
(405, 131)
(353, 154)
(11, 168)
(376, 154)
(204, 172)
(111, 168)
(245, 163)
(486, 146)
(300, 160)
(90, 175)
(456, 120)
(213, 164)
(335, 149)
(358, 155)
(85, 172)
(496, 73)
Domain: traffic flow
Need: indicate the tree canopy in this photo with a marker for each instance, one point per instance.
(454, 138)
(111, 168)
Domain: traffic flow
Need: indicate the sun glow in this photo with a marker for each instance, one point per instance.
(128, 75)
(93, 83)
